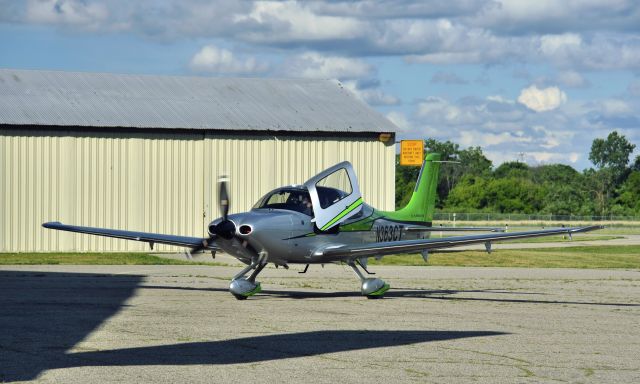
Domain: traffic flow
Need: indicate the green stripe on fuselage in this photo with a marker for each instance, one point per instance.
(364, 224)
(342, 214)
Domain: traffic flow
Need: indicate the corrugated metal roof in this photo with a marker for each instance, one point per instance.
(29, 97)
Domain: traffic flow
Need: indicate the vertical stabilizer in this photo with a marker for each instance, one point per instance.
(423, 200)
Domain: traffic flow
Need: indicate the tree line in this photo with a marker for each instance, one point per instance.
(611, 187)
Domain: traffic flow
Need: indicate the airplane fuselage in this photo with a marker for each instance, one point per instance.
(290, 237)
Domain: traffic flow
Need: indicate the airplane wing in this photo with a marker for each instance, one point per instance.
(151, 238)
(453, 229)
(351, 252)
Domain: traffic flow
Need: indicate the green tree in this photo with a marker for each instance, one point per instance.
(467, 161)
(636, 164)
(472, 185)
(629, 195)
(513, 169)
(561, 199)
(566, 193)
(600, 185)
(474, 162)
(556, 174)
(507, 195)
(612, 153)
(610, 156)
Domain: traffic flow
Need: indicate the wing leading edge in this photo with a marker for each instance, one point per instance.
(408, 246)
(151, 238)
(453, 229)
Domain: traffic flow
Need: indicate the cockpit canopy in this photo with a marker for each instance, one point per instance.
(330, 197)
(298, 199)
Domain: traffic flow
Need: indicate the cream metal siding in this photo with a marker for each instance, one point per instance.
(158, 182)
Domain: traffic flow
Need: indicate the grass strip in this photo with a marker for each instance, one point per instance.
(93, 259)
(610, 256)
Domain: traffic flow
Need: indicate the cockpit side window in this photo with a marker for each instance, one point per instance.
(334, 187)
(329, 196)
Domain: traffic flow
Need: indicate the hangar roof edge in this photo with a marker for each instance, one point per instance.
(80, 99)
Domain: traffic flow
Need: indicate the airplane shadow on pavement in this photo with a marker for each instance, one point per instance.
(268, 347)
(43, 315)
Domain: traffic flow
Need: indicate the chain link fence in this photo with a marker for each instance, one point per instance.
(507, 217)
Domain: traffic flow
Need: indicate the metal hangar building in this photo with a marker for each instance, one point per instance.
(144, 152)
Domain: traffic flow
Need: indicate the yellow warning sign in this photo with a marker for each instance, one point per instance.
(411, 152)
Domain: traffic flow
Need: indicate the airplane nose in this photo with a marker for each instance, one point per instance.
(224, 229)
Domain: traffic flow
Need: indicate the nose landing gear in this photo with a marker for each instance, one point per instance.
(242, 287)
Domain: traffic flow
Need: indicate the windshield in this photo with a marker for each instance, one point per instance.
(290, 199)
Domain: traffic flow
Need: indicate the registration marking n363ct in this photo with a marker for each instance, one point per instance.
(389, 233)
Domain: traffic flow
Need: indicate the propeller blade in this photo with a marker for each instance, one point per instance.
(204, 244)
(225, 229)
(223, 197)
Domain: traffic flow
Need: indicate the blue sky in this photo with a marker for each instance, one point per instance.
(534, 79)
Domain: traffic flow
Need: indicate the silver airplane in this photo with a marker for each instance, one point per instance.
(324, 220)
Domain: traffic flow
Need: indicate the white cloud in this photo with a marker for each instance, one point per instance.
(398, 9)
(614, 107)
(574, 157)
(372, 96)
(572, 79)
(551, 16)
(549, 139)
(541, 100)
(317, 66)
(488, 139)
(438, 110)
(542, 157)
(532, 157)
(399, 119)
(634, 88)
(505, 128)
(354, 74)
(287, 21)
(66, 12)
(568, 34)
(212, 59)
(565, 44)
(493, 113)
(500, 99)
(447, 78)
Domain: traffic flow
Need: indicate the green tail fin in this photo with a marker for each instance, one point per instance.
(423, 200)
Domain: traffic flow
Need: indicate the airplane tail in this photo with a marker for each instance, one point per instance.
(421, 207)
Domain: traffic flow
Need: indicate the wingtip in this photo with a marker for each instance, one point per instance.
(586, 229)
(51, 224)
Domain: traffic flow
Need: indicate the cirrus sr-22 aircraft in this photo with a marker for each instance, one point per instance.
(323, 221)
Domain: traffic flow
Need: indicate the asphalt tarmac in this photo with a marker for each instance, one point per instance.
(168, 324)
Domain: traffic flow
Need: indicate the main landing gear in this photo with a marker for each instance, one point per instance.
(241, 286)
(372, 288)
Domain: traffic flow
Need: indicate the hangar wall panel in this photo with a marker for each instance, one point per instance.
(158, 182)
